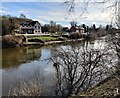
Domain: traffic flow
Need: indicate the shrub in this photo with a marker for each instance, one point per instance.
(25, 88)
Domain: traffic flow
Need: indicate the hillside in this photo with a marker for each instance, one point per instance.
(11, 23)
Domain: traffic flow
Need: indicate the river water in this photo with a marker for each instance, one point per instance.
(23, 62)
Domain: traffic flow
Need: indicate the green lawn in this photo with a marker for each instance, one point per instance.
(45, 38)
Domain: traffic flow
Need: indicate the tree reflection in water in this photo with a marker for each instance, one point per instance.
(13, 57)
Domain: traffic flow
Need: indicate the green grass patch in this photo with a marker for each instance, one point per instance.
(45, 38)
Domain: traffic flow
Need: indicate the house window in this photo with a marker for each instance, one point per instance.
(35, 27)
(29, 30)
(38, 27)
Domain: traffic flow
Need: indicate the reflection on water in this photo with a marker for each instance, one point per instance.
(13, 57)
(22, 62)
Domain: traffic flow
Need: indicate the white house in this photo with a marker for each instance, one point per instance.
(33, 27)
(80, 29)
(77, 29)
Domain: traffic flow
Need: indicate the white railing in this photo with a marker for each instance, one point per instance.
(42, 34)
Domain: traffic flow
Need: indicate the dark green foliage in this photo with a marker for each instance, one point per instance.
(52, 27)
(73, 23)
(107, 27)
(45, 28)
(84, 26)
(94, 26)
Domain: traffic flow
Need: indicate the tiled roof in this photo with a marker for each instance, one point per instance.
(29, 23)
(33, 23)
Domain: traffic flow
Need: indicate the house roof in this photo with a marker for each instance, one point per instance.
(24, 23)
(82, 28)
(73, 29)
(33, 23)
(29, 23)
(78, 27)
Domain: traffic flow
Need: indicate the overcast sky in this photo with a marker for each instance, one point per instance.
(44, 11)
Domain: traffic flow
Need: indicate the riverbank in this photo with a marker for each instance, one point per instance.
(52, 42)
(25, 58)
(9, 41)
(107, 88)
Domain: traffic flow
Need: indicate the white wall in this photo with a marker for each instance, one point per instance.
(37, 30)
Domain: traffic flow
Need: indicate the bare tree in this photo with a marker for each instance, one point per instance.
(114, 37)
(78, 69)
(22, 16)
(73, 23)
(108, 5)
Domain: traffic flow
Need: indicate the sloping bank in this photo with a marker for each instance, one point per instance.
(51, 42)
(12, 41)
(19, 40)
(107, 88)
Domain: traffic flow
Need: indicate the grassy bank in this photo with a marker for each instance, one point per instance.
(105, 89)
(47, 38)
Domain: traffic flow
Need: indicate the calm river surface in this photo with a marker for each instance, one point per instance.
(23, 62)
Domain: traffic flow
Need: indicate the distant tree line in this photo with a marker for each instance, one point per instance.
(52, 27)
(9, 23)
(93, 27)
